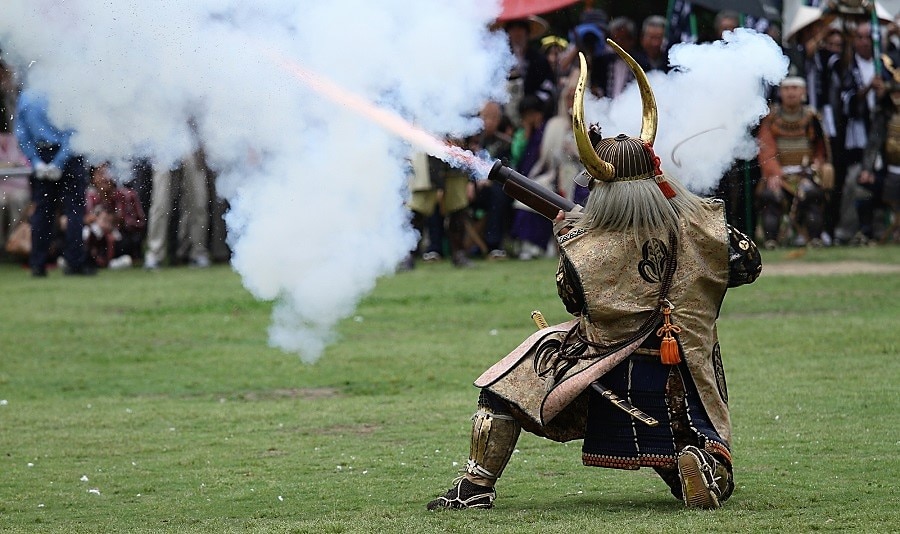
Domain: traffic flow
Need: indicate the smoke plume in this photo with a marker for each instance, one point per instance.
(316, 192)
(708, 104)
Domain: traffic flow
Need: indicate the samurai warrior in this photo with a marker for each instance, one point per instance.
(795, 159)
(637, 373)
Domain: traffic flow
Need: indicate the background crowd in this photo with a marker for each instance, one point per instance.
(828, 171)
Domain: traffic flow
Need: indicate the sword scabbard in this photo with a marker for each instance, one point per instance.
(624, 405)
(607, 394)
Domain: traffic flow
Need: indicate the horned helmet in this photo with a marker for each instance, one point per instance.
(620, 158)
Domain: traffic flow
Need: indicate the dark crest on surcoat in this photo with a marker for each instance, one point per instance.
(655, 256)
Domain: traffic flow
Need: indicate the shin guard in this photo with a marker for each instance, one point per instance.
(494, 437)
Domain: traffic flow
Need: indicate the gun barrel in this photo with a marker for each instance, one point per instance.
(529, 192)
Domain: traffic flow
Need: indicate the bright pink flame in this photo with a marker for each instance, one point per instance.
(389, 120)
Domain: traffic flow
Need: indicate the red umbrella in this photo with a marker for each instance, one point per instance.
(520, 9)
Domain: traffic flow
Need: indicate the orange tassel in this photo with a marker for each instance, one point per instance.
(668, 348)
(658, 174)
(668, 351)
(665, 187)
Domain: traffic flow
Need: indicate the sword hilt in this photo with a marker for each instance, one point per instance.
(539, 320)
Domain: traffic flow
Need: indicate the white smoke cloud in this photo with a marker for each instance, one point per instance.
(316, 192)
(708, 104)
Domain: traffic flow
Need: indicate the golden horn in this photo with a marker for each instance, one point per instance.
(649, 118)
(594, 164)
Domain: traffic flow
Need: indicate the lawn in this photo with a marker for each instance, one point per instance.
(150, 401)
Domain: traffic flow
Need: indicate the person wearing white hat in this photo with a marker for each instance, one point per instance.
(795, 160)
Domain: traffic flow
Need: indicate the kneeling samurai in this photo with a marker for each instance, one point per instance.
(637, 373)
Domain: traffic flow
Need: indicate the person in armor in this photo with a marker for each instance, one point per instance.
(795, 161)
(637, 373)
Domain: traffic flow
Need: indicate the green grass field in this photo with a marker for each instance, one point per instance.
(150, 401)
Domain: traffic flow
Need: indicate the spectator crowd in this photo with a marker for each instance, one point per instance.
(827, 172)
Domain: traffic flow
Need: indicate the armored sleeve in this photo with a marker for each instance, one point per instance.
(568, 286)
(744, 262)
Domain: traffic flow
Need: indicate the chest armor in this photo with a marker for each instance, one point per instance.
(892, 143)
(793, 136)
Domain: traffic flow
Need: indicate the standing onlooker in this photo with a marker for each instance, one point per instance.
(493, 142)
(726, 21)
(558, 153)
(193, 206)
(589, 38)
(826, 74)
(653, 45)
(554, 49)
(882, 187)
(611, 74)
(59, 177)
(531, 229)
(863, 87)
(531, 73)
(438, 201)
(14, 190)
(739, 182)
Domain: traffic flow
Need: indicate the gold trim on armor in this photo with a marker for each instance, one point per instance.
(627, 462)
(571, 234)
(638, 177)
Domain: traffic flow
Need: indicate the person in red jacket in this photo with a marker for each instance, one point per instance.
(114, 221)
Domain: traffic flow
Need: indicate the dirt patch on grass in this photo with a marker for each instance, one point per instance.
(290, 393)
(828, 268)
(362, 429)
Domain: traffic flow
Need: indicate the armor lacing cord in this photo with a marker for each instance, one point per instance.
(474, 469)
(464, 494)
(643, 331)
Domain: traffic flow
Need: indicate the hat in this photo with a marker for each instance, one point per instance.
(550, 41)
(621, 158)
(793, 81)
(597, 17)
(590, 38)
(536, 26)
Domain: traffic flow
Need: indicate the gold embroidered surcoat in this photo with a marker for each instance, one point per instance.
(621, 281)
